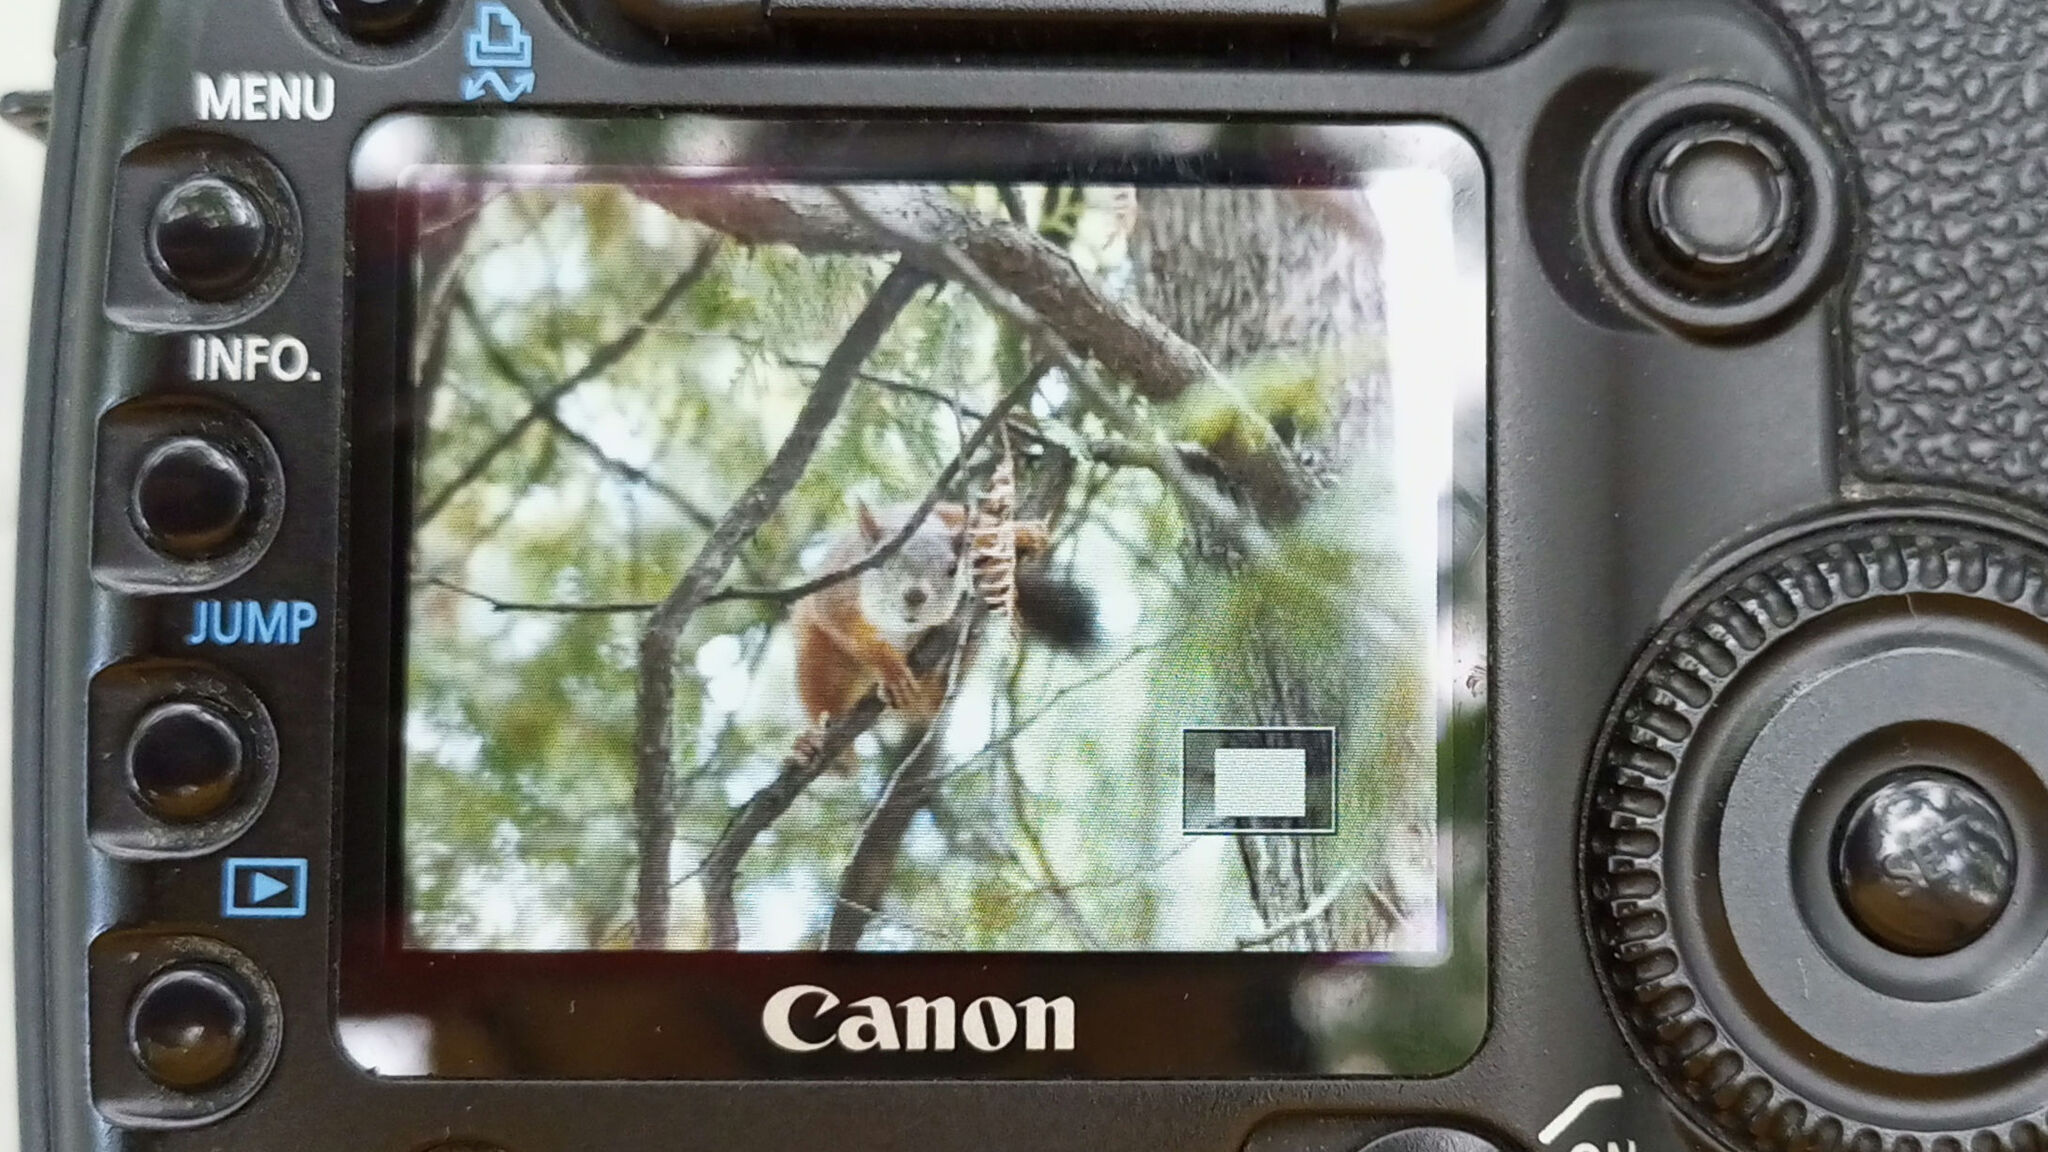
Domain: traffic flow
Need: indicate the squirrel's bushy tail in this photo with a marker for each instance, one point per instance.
(1056, 610)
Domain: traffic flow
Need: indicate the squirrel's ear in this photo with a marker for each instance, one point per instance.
(953, 516)
(869, 526)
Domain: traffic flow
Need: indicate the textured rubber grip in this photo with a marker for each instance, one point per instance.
(1946, 104)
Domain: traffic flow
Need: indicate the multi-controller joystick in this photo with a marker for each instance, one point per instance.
(1925, 862)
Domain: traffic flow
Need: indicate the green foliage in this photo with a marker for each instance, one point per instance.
(1056, 823)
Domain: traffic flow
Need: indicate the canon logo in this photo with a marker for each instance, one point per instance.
(807, 1018)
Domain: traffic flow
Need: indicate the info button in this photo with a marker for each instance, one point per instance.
(263, 888)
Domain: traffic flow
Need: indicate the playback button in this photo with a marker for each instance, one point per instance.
(189, 1027)
(184, 1029)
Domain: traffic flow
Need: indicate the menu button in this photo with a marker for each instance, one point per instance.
(210, 239)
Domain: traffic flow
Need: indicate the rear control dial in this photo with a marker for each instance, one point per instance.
(1816, 844)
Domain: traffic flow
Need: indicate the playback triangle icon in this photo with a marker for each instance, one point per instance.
(263, 886)
(272, 888)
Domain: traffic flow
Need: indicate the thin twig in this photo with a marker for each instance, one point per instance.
(1003, 739)
(1020, 813)
(602, 361)
(497, 605)
(1112, 880)
(957, 940)
(1303, 920)
(1017, 425)
(882, 552)
(501, 360)
(632, 472)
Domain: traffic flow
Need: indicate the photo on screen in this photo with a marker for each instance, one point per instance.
(943, 565)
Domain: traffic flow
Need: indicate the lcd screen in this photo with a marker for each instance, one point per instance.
(910, 538)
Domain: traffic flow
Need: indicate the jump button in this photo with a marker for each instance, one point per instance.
(185, 762)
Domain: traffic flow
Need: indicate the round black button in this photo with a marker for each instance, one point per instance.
(210, 239)
(185, 762)
(1925, 862)
(1431, 1140)
(191, 498)
(189, 1027)
(1719, 201)
(380, 21)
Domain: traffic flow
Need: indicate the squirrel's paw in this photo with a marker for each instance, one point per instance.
(811, 745)
(808, 745)
(902, 691)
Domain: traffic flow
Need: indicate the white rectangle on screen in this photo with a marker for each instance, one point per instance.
(1262, 782)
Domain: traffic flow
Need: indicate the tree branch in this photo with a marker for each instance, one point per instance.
(654, 730)
(632, 472)
(550, 413)
(894, 544)
(1151, 455)
(720, 866)
(1056, 885)
(1306, 918)
(873, 863)
(1126, 339)
(1211, 515)
(1038, 285)
(602, 361)
(1005, 739)
(1017, 426)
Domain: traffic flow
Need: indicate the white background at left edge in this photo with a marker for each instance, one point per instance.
(27, 30)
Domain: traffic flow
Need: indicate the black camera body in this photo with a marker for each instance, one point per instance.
(1732, 827)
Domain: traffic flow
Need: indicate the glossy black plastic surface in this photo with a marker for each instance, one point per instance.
(1630, 464)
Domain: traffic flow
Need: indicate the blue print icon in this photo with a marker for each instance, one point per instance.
(499, 53)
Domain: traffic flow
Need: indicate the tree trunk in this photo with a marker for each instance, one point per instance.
(1279, 276)
(1256, 274)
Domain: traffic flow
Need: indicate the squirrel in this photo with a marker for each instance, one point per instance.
(856, 636)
